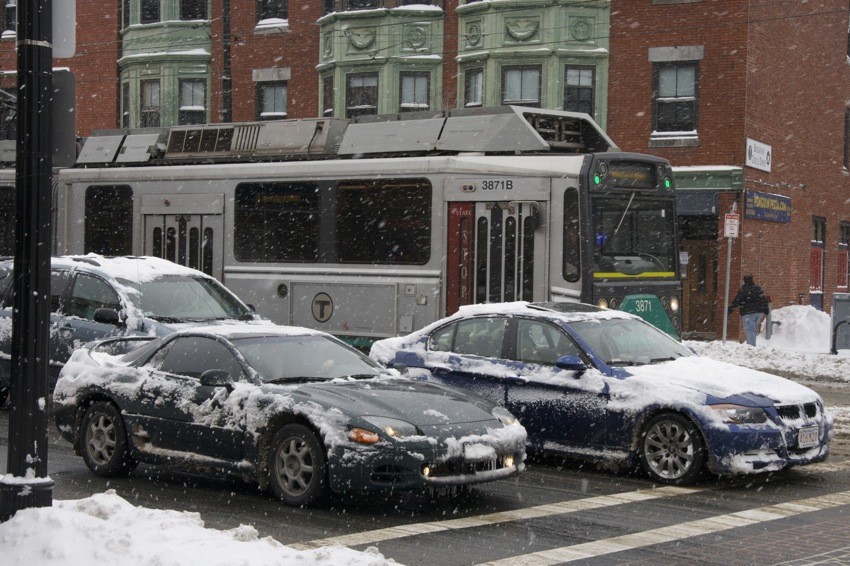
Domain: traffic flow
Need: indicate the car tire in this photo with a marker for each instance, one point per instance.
(297, 466)
(672, 451)
(103, 441)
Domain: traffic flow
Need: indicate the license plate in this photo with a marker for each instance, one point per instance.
(808, 437)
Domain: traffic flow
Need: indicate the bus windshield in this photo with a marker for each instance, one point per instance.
(633, 237)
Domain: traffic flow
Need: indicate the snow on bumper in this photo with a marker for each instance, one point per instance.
(741, 450)
(410, 465)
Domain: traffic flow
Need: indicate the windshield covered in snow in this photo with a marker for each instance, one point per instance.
(183, 298)
(298, 358)
(628, 342)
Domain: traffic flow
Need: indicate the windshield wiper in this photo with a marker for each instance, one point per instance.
(659, 360)
(621, 363)
(625, 211)
(363, 375)
(171, 319)
(296, 379)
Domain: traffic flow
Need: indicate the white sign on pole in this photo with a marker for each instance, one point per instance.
(64, 28)
(758, 155)
(731, 225)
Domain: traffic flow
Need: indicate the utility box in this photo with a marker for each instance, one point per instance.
(840, 322)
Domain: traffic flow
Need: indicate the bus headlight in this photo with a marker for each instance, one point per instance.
(674, 304)
(602, 303)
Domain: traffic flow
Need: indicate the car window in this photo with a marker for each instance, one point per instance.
(193, 355)
(282, 358)
(184, 298)
(480, 337)
(628, 342)
(89, 294)
(58, 284)
(442, 339)
(542, 343)
(5, 286)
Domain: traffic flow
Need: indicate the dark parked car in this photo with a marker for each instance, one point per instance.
(93, 297)
(606, 386)
(294, 409)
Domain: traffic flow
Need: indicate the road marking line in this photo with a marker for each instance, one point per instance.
(676, 532)
(564, 507)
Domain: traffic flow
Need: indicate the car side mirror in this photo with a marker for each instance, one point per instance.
(571, 363)
(107, 316)
(217, 378)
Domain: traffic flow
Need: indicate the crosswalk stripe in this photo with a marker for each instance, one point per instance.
(549, 509)
(676, 532)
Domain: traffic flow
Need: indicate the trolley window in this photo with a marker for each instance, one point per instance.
(276, 222)
(109, 220)
(7, 221)
(384, 222)
(572, 238)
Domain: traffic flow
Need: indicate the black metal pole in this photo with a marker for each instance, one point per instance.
(226, 79)
(26, 483)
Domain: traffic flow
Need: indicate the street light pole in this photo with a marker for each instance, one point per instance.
(26, 483)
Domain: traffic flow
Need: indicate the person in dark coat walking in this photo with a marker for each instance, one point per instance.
(753, 304)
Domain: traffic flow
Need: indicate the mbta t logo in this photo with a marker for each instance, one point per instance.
(323, 307)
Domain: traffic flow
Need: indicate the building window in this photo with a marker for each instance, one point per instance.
(8, 116)
(675, 97)
(363, 4)
(10, 18)
(361, 94)
(328, 96)
(415, 91)
(843, 283)
(125, 105)
(521, 85)
(272, 9)
(193, 9)
(328, 6)
(125, 13)
(473, 91)
(579, 89)
(150, 11)
(271, 97)
(193, 101)
(150, 105)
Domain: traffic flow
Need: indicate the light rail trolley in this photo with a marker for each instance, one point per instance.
(378, 226)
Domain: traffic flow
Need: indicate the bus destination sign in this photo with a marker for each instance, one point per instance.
(768, 207)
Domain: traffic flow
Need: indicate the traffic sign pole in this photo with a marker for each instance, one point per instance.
(731, 228)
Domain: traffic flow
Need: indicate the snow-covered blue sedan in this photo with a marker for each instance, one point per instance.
(606, 386)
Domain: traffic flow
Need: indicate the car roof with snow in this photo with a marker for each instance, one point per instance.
(130, 268)
(567, 312)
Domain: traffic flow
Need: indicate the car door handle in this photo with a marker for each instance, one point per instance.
(439, 370)
(515, 380)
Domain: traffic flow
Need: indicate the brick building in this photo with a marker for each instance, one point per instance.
(749, 101)
(747, 98)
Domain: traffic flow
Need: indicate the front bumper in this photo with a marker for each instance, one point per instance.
(748, 449)
(391, 467)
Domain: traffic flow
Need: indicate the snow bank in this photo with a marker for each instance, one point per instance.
(106, 529)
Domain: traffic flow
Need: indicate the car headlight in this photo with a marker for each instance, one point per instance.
(504, 416)
(738, 414)
(392, 428)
